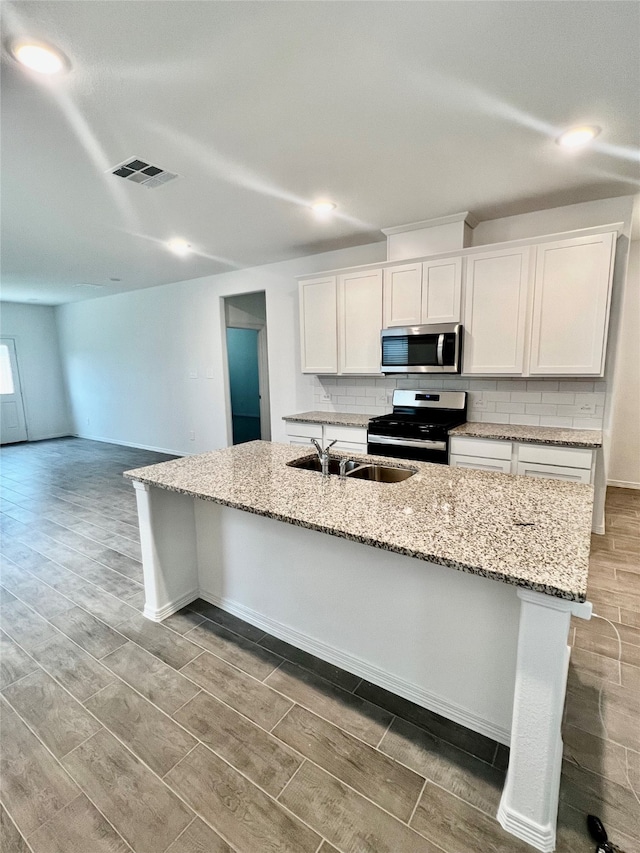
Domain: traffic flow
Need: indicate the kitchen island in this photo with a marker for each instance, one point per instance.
(462, 605)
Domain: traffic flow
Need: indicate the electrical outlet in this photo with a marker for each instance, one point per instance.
(587, 408)
(192, 436)
(209, 372)
(193, 374)
(480, 405)
(326, 398)
(381, 399)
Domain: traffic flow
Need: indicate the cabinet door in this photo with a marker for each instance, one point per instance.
(359, 321)
(318, 325)
(551, 472)
(497, 286)
(441, 291)
(503, 466)
(402, 295)
(572, 293)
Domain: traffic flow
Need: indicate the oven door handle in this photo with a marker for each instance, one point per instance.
(407, 442)
(441, 349)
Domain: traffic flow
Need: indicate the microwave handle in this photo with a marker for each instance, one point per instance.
(440, 353)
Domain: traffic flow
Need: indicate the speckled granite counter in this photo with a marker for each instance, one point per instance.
(533, 533)
(332, 418)
(588, 438)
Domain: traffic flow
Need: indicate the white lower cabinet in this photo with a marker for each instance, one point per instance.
(348, 439)
(575, 464)
(554, 472)
(503, 466)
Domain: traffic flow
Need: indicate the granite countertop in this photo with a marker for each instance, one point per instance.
(589, 438)
(533, 533)
(333, 418)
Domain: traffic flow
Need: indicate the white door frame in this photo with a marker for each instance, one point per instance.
(10, 342)
(263, 379)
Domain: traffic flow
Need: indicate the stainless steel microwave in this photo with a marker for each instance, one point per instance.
(422, 349)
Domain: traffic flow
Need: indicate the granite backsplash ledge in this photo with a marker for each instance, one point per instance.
(569, 403)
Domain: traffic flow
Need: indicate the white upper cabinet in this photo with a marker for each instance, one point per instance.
(441, 291)
(496, 296)
(403, 295)
(319, 325)
(359, 321)
(571, 306)
(423, 293)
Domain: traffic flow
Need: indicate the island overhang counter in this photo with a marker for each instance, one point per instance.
(462, 605)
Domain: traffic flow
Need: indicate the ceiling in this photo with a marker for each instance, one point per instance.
(397, 111)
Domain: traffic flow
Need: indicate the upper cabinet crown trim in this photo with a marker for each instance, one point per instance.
(617, 227)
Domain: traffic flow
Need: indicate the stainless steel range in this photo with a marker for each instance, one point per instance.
(418, 426)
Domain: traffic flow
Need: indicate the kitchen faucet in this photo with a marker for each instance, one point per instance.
(323, 455)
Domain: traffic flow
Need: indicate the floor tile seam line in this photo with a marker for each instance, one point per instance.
(95, 560)
(26, 603)
(83, 702)
(86, 521)
(290, 779)
(603, 655)
(576, 763)
(180, 834)
(15, 823)
(359, 738)
(89, 539)
(204, 648)
(286, 714)
(77, 786)
(384, 734)
(357, 685)
(417, 803)
(231, 631)
(346, 784)
(197, 743)
(607, 739)
(184, 704)
(83, 577)
(92, 539)
(476, 808)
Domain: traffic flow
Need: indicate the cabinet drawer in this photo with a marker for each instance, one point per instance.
(480, 447)
(554, 472)
(570, 457)
(503, 466)
(346, 434)
(304, 430)
(350, 447)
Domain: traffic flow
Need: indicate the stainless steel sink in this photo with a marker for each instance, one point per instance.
(312, 463)
(381, 473)
(357, 470)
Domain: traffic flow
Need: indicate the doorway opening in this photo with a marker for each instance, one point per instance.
(13, 424)
(249, 416)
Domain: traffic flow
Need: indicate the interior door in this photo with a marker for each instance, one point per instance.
(13, 425)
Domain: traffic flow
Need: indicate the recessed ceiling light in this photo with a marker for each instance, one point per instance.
(179, 246)
(39, 57)
(323, 208)
(576, 137)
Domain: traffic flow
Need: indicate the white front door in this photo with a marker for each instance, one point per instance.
(13, 426)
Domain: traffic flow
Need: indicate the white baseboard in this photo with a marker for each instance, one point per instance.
(169, 609)
(131, 444)
(541, 837)
(623, 484)
(362, 668)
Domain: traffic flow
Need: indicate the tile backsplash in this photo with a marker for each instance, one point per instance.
(577, 403)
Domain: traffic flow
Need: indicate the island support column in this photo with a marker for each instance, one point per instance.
(529, 804)
(169, 550)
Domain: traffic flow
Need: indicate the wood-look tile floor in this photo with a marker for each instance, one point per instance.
(205, 735)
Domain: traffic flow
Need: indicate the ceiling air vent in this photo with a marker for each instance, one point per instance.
(143, 173)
